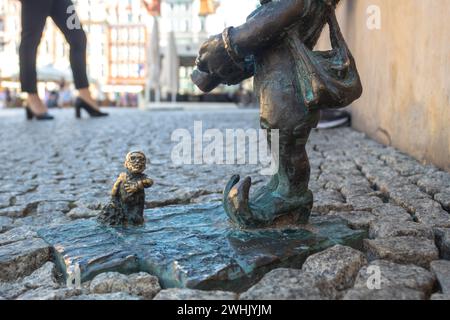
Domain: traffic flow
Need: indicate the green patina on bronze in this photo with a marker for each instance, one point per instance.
(193, 246)
(292, 83)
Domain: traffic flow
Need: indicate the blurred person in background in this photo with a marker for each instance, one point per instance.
(3, 99)
(6, 99)
(65, 94)
(34, 16)
(52, 101)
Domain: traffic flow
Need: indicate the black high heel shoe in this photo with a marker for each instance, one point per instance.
(31, 115)
(94, 113)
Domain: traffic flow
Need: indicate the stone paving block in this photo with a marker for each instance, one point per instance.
(82, 213)
(43, 277)
(21, 258)
(439, 296)
(377, 172)
(351, 189)
(386, 229)
(364, 203)
(435, 182)
(191, 294)
(144, 285)
(6, 224)
(92, 201)
(138, 284)
(444, 199)
(49, 294)
(14, 211)
(48, 207)
(432, 214)
(389, 293)
(357, 219)
(330, 200)
(5, 200)
(395, 275)
(441, 270)
(117, 296)
(338, 265)
(36, 221)
(109, 282)
(442, 237)
(408, 168)
(14, 189)
(290, 284)
(17, 234)
(392, 213)
(408, 196)
(11, 290)
(387, 180)
(403, 250)
(343, 163)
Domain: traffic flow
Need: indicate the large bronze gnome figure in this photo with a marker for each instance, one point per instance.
(293, 83)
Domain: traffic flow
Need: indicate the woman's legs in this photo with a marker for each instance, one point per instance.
(34, 15)
(77, 40)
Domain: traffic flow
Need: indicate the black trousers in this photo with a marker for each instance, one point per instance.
(34, 15)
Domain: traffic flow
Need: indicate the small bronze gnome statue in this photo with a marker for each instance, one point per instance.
(128, 194)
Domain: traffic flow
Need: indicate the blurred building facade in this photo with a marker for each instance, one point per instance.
(9, 39)
(118, 32)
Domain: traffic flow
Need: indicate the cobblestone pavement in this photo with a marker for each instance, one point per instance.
(56, 172)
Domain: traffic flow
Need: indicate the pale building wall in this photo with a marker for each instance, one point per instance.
(405, 69)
